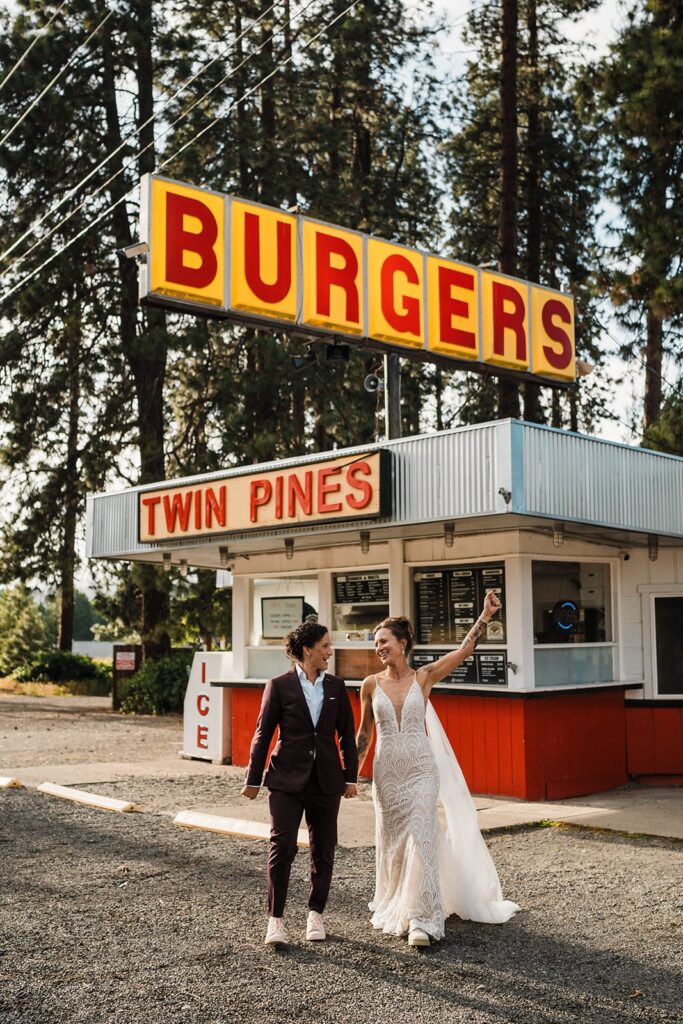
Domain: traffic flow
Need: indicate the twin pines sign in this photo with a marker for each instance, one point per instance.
(227, 257)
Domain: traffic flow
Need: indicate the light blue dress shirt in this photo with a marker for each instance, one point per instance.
(313, 692)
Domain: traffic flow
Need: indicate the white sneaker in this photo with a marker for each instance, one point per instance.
(315, 928)
(417, 937)
(276, 934)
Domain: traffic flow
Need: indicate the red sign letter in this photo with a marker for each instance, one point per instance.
(260, 494)
(407, 322)
(179, 241)
(450, 307)
(559, 360)
(508, 319)
(151, 503)
(277, 291)
(216, 506)
(363, 486)
(203, 736)
(203, 709)
(177, 509)
(324, 489)
(302, 495)
(344, 277)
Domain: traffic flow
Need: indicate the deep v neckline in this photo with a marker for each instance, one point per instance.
(393, 708)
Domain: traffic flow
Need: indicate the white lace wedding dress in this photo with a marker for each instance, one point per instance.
(423, 873)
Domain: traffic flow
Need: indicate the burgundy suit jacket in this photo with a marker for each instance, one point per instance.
(300, 743)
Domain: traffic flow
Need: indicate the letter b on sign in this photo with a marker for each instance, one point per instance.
(187, 243)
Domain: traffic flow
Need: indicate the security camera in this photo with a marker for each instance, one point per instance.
(624, 555)
(373, 383)
(133, 250)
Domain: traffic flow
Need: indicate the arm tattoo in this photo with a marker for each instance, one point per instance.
(362, 744)
(475, 634)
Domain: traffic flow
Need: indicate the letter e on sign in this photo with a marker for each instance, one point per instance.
(552, 330)
(187, 243)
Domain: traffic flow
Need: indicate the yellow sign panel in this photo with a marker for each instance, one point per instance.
(336, 489)
(453, 290)
(552, 329)
(263, 261)
(323, 279)
(333, 275)
(187, 242)
(505, 321)
(395, 287)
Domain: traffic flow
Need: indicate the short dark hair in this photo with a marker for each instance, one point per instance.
(305, 635)
(401, 627)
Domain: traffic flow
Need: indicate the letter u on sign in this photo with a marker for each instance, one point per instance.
(263, 272)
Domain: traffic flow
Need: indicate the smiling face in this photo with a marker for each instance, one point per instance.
(390, 650)
(318, 656)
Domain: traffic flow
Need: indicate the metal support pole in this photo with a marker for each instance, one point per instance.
(392, 395)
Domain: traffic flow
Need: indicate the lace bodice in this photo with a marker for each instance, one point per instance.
(410, 718)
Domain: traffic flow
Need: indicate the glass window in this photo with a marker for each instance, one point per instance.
(361, 600)
(669, 640)
(279, 603)
(572, 602)
(448, 600)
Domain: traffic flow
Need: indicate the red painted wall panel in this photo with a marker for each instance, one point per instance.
(655, 740)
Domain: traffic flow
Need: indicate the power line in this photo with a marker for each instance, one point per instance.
(23, 57)
(76, 188)
(54, 80)
(646, 365)
(127, 195)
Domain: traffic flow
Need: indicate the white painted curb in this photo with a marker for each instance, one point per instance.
(7, 782)
(231, 826)
(105, 803)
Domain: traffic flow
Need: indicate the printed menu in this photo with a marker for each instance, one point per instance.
(448, 601)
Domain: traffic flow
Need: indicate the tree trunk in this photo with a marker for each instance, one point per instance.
(508, 390)
(653, 374)
(67, 560)
(532, 391)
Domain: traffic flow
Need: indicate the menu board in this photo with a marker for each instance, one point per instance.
(449, 600)
(362, 588)
(280, 615)
(485, 669)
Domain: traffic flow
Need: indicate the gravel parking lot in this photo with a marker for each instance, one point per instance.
(128, 918)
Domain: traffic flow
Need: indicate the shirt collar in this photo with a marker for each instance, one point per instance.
(304, 678)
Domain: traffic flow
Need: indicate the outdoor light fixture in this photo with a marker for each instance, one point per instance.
(224, 557)
(365, 541)
(183, 567)
(289, 547)
(652, 547)
(167, 560)
(448, 534)
(134, 251)
(558, 535)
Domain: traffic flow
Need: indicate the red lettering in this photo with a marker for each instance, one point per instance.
(203, 708)
(215, 507)
(363, 486)
(407, 320)
(508, 315)
(327, 276)
(203, 736)
(198, 510)
(450, 307)
(260, 493)
(324, 489)
(551, 309)
(151, 504)
(302, 495)
(203, 671)
(279, 289)
(279, 492)
(179, 241)
(177, 510)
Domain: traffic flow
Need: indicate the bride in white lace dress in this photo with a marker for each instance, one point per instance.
(423, 874)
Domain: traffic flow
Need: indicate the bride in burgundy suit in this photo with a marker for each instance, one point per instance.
(305, 775)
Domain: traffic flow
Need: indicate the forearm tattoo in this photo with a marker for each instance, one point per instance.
(362, 744)
(475, 634)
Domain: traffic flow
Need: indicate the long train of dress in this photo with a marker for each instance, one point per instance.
(424, 874)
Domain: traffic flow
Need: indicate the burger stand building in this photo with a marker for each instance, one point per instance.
(578, 685)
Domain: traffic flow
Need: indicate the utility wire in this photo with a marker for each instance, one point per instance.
(56, 78)
(41, 32)
(76, 188)
(127, 195)
(646, 365)
(136, 156)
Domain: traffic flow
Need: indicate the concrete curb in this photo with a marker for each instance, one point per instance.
(7, 782)
(104, 803)
(231, 826)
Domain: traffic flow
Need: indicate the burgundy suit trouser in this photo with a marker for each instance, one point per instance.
(286, 810)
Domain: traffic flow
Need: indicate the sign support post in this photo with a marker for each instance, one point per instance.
(392, 395)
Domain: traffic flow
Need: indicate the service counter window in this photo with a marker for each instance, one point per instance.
(447, 602)
(278, 606)
(361, 601)
(572, 615)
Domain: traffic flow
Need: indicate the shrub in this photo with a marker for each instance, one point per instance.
(63, 666)
(159, 686)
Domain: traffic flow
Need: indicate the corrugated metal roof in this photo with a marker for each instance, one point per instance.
(469, 472)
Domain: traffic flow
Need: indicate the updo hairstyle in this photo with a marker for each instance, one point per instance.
(402, 629)
(305, 635)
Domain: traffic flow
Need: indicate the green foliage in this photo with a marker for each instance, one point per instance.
(62, 666)
(159, 686)
(22, 631)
